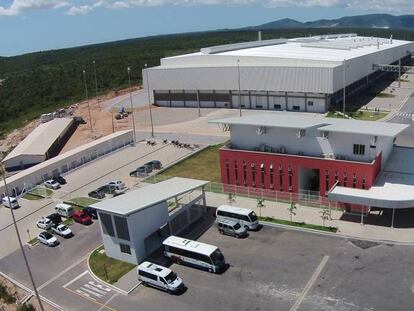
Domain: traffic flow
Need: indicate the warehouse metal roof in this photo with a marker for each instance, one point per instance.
(319, 49)
(142, 198)
(41, 138)
(303, 121)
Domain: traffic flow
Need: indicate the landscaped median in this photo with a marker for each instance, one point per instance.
(107, 269)
(38, 193)
(298, 224)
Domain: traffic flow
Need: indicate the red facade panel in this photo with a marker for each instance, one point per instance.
(280, 172)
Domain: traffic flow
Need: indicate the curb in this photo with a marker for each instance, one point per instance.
(96, 278)
(336, 235)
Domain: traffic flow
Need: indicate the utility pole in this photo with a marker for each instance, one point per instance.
(87, 99)
(344, 89)
(399, 73)
(20, 240)
(238, 80)
(132, 108)
(149, 101)
(96, 83)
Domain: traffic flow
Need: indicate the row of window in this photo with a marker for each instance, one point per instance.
(189, 254)
(233, 215)
(359, 149)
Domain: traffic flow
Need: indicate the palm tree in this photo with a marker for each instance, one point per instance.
(260, 204)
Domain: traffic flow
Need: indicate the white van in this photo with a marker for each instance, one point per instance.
(64, 210)
(160, 277)
(244, 216)
(12, 204)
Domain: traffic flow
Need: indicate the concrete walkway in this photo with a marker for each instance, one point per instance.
(349, 226)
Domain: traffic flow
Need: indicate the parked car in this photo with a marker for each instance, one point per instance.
(142, 171)
(116, 187)
(231, 227)
(62, 230)
(91, 212)
(96, 194)
(59, 179)
(55, 218)
(10, 202)
(155, 164)
(44, 223)
(52, 184)
(159, 277)
(82, 218)
(47, 239)
(104, 189)
(64, 210)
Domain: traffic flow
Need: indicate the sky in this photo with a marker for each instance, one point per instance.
(36, 25)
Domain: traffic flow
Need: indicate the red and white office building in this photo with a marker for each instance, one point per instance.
(354, 163)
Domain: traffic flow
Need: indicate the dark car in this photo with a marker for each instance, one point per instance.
(55, 218)
(97, 194)
(91, 212)
(104, 189)
(154, 164)
(59, 179)
(141, 171)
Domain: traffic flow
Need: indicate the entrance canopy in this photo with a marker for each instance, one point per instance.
(394, 187)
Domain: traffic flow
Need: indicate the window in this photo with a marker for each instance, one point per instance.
(236, 173)
(310, 103)
(272, 185)
(228, 171)
(345, 179)
(296, 108)
(363, 182)
(147, 275)
(262, 174)
(125, 248)
(253, 175)
(359, 149)
(277, 106)
(121, 226)
(354, 180)
(244, 173)
(280, 178)
(107, 226)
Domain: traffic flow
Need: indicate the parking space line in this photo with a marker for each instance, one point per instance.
(310, 283)
(108, 301)
(91, 291)
(85, 294)
(106, 289)
(104, 306)
(75, 279)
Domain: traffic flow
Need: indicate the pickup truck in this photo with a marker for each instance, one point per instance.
(62, 230)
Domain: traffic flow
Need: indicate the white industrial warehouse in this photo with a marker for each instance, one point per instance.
(301, 74)
(44, 142)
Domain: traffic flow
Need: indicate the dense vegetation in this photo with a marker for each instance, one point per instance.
(40, 82)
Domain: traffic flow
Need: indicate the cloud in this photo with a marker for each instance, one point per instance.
(20, 6)
(81, 7)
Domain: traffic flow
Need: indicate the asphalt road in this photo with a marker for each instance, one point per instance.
(272, 269)
(405, 116)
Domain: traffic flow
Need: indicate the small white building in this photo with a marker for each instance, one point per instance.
(134, 225)
(43, 143)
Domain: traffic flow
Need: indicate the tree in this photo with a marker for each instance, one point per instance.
(325, 215)
(260, 204)
(231, 197)
(292, 210)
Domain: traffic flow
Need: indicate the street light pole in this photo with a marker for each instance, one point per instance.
(20, 240)
(132, 108)
(87, 99)
(96, 83)
(149, 101)
(238, 80)
(344, 86)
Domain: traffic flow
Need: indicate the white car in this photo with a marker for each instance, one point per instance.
(10, 202)
(44, 223)
(52, 184)
(62, 230)
(47, 239)
(118, 184)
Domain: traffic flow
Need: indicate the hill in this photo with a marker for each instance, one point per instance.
(386, 21)
(40, 82)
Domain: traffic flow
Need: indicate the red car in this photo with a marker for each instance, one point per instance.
(82, 218)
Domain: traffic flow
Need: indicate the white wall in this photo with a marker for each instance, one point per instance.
(245, 137)
(140, 225)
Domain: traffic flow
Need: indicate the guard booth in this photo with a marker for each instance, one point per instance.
(133, 225)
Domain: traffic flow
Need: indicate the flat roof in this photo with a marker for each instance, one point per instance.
(41, 138)
(319, 48)
(292, 120)
(183, 243)
(142, 198)
(62, 156)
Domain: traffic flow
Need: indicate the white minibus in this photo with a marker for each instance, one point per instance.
(64, 210)
(244, 216)
(160, 277)
(193, 253)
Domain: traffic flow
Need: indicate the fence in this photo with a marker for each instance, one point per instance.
(305, 198)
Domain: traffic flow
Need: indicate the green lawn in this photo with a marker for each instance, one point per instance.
(32, 197)
(299, 224)
(83, 201)
(364, 115)
(203, 165)
(41, 191)
(108, 269)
